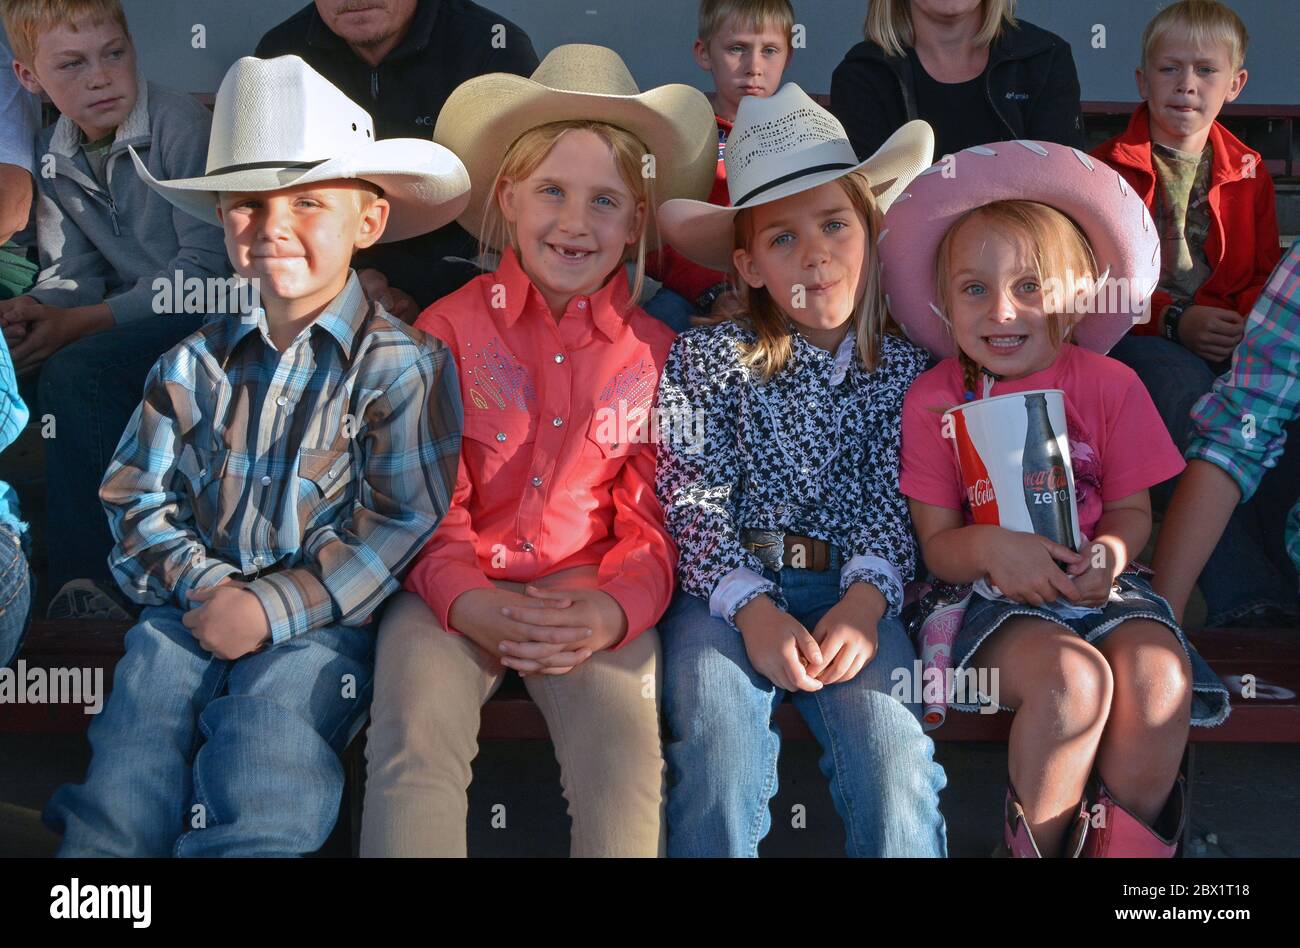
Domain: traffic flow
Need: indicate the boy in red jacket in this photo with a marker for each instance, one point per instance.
(1213, 204)
(746, 45)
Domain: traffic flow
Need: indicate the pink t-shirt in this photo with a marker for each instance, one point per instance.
(1118, 444)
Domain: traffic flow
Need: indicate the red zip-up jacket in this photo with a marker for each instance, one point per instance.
(672, 269)
(1242, 246)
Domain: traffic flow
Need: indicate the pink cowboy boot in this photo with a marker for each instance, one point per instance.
(1018, 842)
(1123, 835)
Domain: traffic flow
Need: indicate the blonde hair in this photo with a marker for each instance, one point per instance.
(889, 23)
(530, 150)
(753, 14)
(26, 20)
(1204, 22)
(768, 355)
(1055, 247)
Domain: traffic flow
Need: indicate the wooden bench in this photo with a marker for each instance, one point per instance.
(1272, 657)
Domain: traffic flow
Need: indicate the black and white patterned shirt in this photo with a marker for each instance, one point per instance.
(813, 451)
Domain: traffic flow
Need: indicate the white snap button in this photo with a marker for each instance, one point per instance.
(266, 480)
(501, 436)
(557, 422)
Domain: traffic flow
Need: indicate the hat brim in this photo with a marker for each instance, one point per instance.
(426, 185)
(484, 116)
(705, 232)
(1113, 217)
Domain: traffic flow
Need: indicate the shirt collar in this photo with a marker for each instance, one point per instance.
(341, 319)
(841, 360)
(415, 40)
(607, 307)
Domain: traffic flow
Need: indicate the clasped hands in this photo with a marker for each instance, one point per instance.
(541, 631)
(228, 621)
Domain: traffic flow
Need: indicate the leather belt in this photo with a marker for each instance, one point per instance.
(776, 550)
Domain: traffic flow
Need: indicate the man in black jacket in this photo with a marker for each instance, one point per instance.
(1028, 89)
(401, 59)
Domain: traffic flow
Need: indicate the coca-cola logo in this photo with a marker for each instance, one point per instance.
(980, 493)
(1053, 478)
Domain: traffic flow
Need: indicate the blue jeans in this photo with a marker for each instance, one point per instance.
(196, 756)
(671, 309)
(722, 756)
(91, 388)
(1238, 575)
(15, 594)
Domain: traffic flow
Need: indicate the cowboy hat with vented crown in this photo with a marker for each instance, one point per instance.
(485, 115)
(278, 123)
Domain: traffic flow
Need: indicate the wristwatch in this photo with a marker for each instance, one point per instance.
(1173, 313)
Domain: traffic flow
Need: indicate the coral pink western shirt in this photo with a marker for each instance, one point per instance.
(556, 466)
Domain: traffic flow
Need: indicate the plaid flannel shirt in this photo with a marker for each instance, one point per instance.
(314, 474)
(1240, 424)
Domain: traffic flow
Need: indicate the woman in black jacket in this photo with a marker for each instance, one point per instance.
(967, 67)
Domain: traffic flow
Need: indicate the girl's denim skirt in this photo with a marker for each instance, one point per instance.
(1139, 601)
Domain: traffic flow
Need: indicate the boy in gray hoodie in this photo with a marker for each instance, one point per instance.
(115, 257)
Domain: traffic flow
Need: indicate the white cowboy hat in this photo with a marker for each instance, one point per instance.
(485, 115)
(278, 123)
(783, 145)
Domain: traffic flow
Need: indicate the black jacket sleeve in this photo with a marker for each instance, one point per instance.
(1055, 115)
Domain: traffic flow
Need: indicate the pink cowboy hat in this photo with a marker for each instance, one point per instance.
(1112, 216)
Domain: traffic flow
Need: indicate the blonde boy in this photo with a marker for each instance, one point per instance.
(746, 45)
(284, 467)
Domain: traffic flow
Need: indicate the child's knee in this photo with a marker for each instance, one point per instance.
(1153, 673)
(1076, 685)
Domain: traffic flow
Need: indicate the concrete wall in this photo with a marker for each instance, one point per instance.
(654, 36)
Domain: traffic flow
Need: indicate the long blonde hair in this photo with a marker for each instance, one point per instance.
(1054, 245)
(771, 351)
(530, 150)
(889, 23)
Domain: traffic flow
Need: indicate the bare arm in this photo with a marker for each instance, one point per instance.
(1203, 502)
(15, 200)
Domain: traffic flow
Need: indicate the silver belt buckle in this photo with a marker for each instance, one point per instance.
(768, 546)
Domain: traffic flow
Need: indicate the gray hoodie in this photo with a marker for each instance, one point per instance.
(109, 246)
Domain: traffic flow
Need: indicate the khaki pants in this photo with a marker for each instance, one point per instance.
(429, 689)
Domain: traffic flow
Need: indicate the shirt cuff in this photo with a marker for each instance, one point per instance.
(879, 572)
(295, 601)
(440, 582)
(735, 591)
(202, 572)
(637, 605)
(1224, 458)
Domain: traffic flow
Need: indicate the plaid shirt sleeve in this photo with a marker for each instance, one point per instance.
(410, 439)
(1239, 425)
(158, 557)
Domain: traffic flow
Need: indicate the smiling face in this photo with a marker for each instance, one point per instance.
(1185, 86)
(298, 241)
(744, 61)
(995, 303)
(809, 251)
(573, 218)
(88, 73)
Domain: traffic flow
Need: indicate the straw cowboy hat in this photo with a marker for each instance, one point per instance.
(485, 115)
(1112, 216)
(278, 123)
(783, 145)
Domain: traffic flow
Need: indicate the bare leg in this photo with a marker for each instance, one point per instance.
(1060, 687)
(1150, 714)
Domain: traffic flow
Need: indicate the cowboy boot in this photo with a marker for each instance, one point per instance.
(1018, 841)
(1121, 834)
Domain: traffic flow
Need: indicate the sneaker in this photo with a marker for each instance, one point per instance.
(84, 599)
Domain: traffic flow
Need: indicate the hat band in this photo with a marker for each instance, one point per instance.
(259, 165)
(802, 173)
